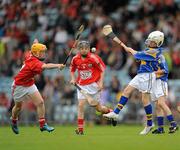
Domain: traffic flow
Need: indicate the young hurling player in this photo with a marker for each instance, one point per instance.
(158, 95)
(23, 87)
(144, 79)
(90, 78)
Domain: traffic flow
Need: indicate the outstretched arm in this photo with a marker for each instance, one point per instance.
(52, 66)
(107, 31)
(128, 49)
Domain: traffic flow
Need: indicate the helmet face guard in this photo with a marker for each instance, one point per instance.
(83, 44)
(84, 48)
(149, 43)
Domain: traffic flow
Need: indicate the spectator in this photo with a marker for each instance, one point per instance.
(4, 104)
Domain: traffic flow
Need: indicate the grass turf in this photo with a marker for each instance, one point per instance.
(95, 138)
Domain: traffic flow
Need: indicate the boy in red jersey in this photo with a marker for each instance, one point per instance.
(90, 78)
(24, 88)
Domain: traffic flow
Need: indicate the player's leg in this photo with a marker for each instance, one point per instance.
(80, 121)
(134, 84)
(16, 110)
(148, 110)
(105, 110)
(39, 103)
(160, 119)
(124, 98)
(94, 99)
(162, 104)
(82, 100)
(122, 102)
(160, 92)
(147, 107)
(19, 94)
(14, 118)
(147, 82)
(102, 109)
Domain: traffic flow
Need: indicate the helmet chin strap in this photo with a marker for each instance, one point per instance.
(147, 43)
(84, 56)
(41, 59)
(152, 46)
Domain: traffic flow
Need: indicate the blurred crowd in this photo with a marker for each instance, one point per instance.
(55, 22)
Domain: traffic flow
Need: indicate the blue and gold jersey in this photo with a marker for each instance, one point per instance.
(148, 60)
(162, 65)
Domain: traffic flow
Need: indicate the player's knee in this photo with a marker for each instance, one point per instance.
(158, 108)
(98, 108)
(81, 105)
(161, 103)
(18, 108)
(94, 104)
(126, 92)
(40, 103)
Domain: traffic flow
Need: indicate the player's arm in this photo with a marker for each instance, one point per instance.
(72, 72)
(139, 55)
(52, 66)
(102, 68)
(129, 50)
(147, 56)
(101, 80)
(38, 66)
(73, 79)
(163, 67)
(159, 73)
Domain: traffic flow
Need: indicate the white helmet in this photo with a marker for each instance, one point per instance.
(155, 36)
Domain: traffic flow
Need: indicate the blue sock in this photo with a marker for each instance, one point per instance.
(171, 120)
(148, 110)
(160, 121)
(123, 100)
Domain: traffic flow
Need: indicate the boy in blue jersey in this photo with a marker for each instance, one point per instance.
(158, 95)
(144, 79)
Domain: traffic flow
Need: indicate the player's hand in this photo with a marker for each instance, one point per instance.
(73, 81)
(61, 66)
(159, 73)
(130, 50)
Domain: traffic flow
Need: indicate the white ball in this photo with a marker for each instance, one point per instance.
(93, 49)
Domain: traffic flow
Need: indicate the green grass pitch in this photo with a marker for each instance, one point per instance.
(96, 138)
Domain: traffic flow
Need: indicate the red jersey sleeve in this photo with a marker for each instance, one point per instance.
(36, 66)
(100, 64)
(72, 65)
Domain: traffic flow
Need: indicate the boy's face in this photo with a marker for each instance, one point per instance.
(42, 54)
(84, 50)
(151, 44)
